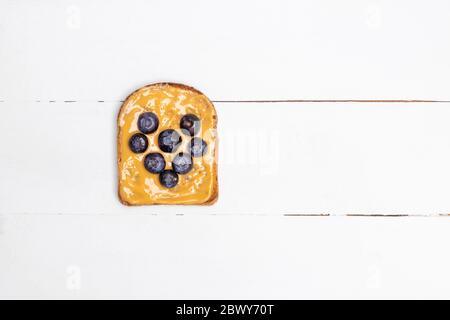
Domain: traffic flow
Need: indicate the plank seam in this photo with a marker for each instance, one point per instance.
(289, 215)
(253, 101)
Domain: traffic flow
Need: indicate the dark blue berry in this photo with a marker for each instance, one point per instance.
(148, 122)
(169, 140)
(198, 147)
(138, 143)
(190, 124)
(154, 162)
(182, 163)
(168, 178)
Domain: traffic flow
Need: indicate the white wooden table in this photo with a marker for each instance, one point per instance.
(293, 172)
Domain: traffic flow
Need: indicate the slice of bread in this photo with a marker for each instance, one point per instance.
(169, 102)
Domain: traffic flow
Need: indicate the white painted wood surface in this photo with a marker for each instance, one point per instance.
(206, 257)
(258, 49)
(63, 234)
(275, 158)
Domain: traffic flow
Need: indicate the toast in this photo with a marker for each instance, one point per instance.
(167, 147)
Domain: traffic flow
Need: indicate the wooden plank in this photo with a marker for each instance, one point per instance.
(219, 257)
(233, 50)
(275, 158)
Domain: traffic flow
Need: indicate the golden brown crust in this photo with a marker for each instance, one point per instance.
(215, 188)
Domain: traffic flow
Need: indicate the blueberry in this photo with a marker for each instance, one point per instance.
(182, 163)
(148, 122)
(138, 143)
(154, 162)
(190, 124)
(168, 178)
(169, 140)
(198, 147)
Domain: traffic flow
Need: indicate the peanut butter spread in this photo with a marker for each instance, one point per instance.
(182, 167)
